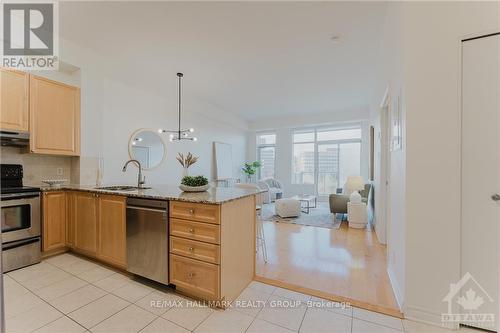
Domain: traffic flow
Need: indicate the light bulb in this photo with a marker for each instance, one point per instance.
(191, 130)
(133, 143)
(195, 139)
(171, 137)
(139, 139)
(184, 135)
(160, 130)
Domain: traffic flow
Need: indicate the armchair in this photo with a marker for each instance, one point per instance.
(274, 189)
(338, 202)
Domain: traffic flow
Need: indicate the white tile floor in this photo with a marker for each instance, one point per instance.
(69, 294)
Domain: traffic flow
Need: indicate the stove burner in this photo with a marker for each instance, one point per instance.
(12, 180)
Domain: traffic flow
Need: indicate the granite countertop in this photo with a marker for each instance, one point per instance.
(214, 195)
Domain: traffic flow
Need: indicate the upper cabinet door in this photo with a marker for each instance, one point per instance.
(54, 117)
(14, 90)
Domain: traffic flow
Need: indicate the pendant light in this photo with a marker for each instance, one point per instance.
(179, 134)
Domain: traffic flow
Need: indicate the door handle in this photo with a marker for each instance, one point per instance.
(495, 197)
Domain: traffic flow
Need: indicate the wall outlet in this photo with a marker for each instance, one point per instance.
(59, 171)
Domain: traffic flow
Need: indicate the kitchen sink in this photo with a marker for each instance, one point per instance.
(121, 188)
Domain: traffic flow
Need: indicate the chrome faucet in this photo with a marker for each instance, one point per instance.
(140, 179)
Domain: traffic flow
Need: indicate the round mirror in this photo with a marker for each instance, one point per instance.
(147, 147)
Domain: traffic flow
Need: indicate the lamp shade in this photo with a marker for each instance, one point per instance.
(355, 183)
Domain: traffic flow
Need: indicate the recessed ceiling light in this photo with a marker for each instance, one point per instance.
(335, 38)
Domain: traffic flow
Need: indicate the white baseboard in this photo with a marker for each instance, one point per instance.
(395, 288)
(424, 316)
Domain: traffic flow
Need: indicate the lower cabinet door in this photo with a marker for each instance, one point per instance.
(111, 232)
(85, 219)
(54, 220)
(70, 219)
(195, 277)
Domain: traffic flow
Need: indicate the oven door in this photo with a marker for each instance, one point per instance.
(20, 216)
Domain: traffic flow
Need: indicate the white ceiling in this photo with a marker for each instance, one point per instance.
(256, 59)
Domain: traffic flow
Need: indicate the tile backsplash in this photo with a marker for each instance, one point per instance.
(37, 167)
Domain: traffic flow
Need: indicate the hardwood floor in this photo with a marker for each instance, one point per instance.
(345, 264)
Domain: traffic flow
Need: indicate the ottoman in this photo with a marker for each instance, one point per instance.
(287, 207)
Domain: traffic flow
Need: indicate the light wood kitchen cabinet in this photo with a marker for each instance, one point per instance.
(212, 248)
(195, 277)
(54, 117)
(14, 94)
(111, 229)
(195, 211)
(96, 226)
(54, 220)
(70, 220)
(203, 232)
(85, 221)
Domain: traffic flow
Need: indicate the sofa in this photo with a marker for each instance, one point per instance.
(338, 202)
(273, 187)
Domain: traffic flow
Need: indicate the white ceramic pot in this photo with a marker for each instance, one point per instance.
(194, 188)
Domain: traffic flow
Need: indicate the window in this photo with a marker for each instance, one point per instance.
(266, 154)
(326, 157)
(303, 157)
(339, 134)
(266, 139)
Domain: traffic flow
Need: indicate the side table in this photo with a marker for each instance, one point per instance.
(357, 215)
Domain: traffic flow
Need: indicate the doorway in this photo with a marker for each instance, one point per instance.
(480, 177)
(384, 192)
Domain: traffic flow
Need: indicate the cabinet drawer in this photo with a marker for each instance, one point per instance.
(204, 232)
(194, 249)
(195, 277)
(195, 212)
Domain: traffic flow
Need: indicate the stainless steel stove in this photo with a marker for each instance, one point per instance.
(20, 217)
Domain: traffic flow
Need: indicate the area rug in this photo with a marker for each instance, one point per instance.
(318, 217)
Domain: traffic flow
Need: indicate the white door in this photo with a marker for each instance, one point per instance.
(481, 168)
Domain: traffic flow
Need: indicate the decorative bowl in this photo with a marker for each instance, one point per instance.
(54, 182)
(186, 188)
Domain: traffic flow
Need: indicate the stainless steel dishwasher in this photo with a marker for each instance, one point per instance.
(147, 238)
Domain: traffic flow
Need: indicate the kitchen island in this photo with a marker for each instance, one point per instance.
(210, 236)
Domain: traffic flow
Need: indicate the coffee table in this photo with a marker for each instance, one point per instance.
(306, 202)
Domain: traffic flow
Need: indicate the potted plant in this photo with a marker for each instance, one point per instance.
(194, 184)
(250, 169)
(186, 162)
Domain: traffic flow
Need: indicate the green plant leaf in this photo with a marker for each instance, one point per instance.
(256, 164)
(194, 181)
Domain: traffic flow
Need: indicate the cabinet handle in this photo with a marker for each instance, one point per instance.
(190, 275)
(191, 249)
(191, 230)
(191, 211)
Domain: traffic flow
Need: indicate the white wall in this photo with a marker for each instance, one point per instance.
(421, 63)
(114, 105)
(390, 229)
(431, 45)
(129, 108)
(284, 144)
